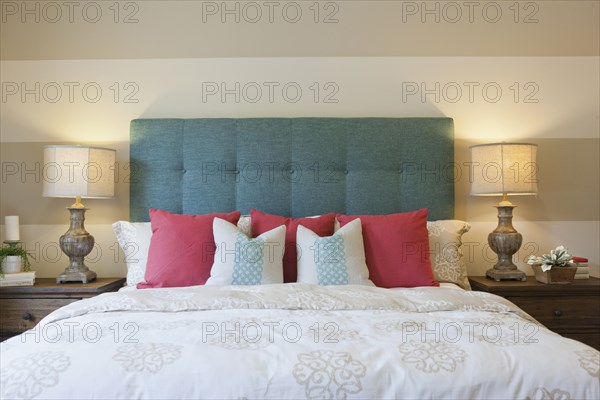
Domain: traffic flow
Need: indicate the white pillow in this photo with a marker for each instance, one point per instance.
(332, 260)
(134, 239)
(240, 260)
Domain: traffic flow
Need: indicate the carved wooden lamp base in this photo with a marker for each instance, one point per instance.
(505, 241)
(76, 243)
(76, 276)
(506, 275)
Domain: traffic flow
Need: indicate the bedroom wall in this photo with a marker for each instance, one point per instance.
(78, 72)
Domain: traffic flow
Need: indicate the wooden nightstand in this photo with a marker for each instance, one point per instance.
(572, 310)
(22, 307)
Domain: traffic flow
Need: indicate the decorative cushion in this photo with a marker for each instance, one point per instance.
(244, 225)
(182, 248)
(445, 247)
(134, 239)
(261, 222)
(332, 260)
(240, 260)
(396, 248)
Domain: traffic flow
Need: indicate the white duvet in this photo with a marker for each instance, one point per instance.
(295, 341)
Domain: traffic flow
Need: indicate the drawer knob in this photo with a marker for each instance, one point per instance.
(26, 316)
(557, 313)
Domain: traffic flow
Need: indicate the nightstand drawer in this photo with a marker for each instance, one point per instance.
(18, 315)
(22, 307)
(564, 313)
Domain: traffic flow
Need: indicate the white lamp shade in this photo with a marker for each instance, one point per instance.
(71, 171)
(504, 168)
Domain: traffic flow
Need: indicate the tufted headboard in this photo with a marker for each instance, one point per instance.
(292, 166)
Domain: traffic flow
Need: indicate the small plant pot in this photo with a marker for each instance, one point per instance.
(556, 275)
(12, 264)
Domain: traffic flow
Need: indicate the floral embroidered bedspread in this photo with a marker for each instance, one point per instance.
(294, 341)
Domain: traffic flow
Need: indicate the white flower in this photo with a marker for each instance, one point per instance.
(558, 257)
(546, 267)
(534, 260)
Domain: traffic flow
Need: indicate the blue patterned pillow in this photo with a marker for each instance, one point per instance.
(240, 260)
(332, 260)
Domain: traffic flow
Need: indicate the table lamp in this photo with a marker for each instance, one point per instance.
(78, 171)
(504, 169)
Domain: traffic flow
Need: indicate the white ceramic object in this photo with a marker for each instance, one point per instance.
(12, 264)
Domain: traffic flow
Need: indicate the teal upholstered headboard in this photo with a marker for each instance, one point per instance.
(293, 166)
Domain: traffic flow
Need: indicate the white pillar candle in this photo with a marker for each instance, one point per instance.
(11, 226)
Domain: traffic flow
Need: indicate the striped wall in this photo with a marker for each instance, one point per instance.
(504, 70)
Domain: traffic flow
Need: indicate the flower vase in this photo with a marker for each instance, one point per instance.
(556, 275)
(12, 264)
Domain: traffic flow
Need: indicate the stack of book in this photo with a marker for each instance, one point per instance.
(583, 269)
(18, 279)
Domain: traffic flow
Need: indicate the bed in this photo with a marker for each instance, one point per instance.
(303, 339)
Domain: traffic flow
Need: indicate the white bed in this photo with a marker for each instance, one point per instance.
(296, 340)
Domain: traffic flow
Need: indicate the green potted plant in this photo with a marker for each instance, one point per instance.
(13, 259)
(556, 267)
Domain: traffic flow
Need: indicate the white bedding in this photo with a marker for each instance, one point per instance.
(295, 341)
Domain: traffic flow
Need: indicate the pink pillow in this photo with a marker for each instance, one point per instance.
(182, 249)
(261, 223)
(396, 248)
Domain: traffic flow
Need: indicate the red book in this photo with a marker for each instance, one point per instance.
(580, 259)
